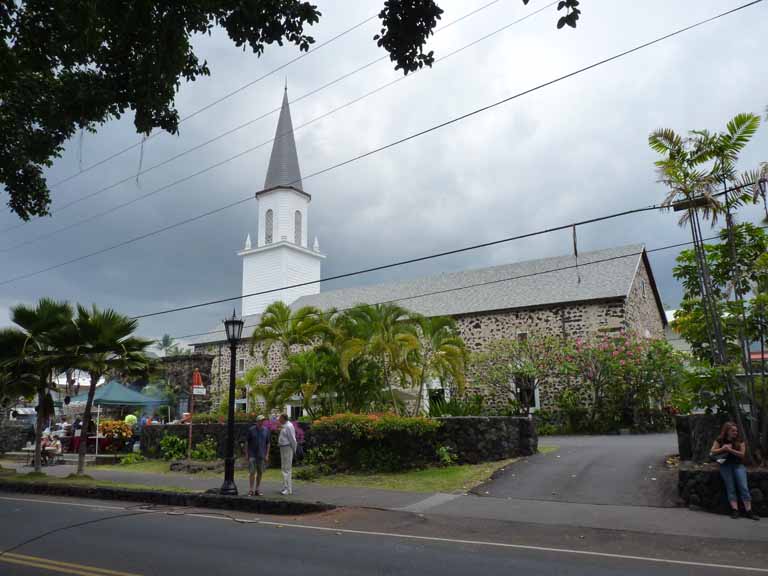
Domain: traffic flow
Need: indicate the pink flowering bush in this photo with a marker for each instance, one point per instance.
(630, 380)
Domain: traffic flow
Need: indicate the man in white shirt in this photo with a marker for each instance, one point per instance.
(287, 443)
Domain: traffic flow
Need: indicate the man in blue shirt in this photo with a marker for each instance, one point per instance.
(258, 453)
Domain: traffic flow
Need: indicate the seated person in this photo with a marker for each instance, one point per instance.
(54, 449)
(45, 441)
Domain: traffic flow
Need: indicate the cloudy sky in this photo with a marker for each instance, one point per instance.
(574, 150)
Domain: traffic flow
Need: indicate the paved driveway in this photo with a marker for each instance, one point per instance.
(621, 470)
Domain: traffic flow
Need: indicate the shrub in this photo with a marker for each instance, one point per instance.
(205, 450)
(129, 459)
(472, 406)
(172, 447)
(446, 455)
(383, 442)
(312, 472)
(117, 431)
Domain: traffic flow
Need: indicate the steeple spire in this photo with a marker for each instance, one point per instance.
(283, 167)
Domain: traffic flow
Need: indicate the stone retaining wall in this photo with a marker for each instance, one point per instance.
(13, 437)
(700, 486)
(477, 439)
(473, 439)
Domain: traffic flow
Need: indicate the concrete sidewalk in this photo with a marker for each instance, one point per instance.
(649, 520)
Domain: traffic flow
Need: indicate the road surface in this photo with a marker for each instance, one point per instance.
(90, 538)
(618, 470)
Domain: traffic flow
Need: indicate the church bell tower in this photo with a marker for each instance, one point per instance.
(281, 255)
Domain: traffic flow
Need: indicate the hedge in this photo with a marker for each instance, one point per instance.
(376, 442)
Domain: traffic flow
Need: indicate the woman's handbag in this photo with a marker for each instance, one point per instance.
(719, 458)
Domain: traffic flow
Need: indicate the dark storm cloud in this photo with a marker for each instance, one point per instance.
(571, 151)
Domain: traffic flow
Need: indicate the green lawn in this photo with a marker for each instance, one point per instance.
(447, 479)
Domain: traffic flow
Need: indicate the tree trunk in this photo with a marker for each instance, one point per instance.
(39, 427)
(417, 409)
(388, 382)
(87, 424)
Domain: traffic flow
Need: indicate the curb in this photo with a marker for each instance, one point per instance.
(167, 498)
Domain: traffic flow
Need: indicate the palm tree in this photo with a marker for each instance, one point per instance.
(250, 383)
(33, 352)
(281, 325)
(165, 344)
(692, 166)
(105, 344)
(386, 334)
(309, 374)
(441, 355)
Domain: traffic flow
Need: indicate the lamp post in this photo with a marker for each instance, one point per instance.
(234, 329)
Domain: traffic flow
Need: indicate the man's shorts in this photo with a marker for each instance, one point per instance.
(256, 465)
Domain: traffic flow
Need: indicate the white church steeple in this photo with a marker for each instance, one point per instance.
(281, 256)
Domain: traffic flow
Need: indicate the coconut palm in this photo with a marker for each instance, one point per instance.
(33, 352)
(441, 355)
(105, 343)
(384, 333)
(281, 325)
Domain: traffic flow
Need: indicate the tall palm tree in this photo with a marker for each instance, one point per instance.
(441, 355)
(281, 325)
(165, 344)
(692, 166)
(385, 333)
(105, 344)
(33, 352)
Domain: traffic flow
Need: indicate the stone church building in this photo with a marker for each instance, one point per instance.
(599, 292)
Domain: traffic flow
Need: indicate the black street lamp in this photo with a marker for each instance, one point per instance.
(234, 329)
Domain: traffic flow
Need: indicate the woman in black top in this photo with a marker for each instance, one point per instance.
(729, 450)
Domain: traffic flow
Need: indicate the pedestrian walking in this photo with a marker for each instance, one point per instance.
(258, 454)
(287, 443)
(728, 451)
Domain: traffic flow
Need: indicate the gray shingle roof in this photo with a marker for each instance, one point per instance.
(604, 274)
(283, 167)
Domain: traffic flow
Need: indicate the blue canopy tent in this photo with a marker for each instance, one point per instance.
(115, 394)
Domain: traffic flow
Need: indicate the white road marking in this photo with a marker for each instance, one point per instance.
(517, 547)
(420, 538)
(38, 501)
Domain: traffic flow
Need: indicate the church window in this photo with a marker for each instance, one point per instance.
(269, 227)
(297, 227)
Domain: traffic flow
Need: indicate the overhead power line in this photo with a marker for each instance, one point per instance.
(201, 145)
(393, 144)
(489, 282)
(223, 98)
(424, 258)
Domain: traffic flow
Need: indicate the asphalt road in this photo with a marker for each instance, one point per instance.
(89, 538)
(618, 470)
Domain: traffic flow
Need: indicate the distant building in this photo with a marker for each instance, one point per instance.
(673, 336)
(602, 292)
